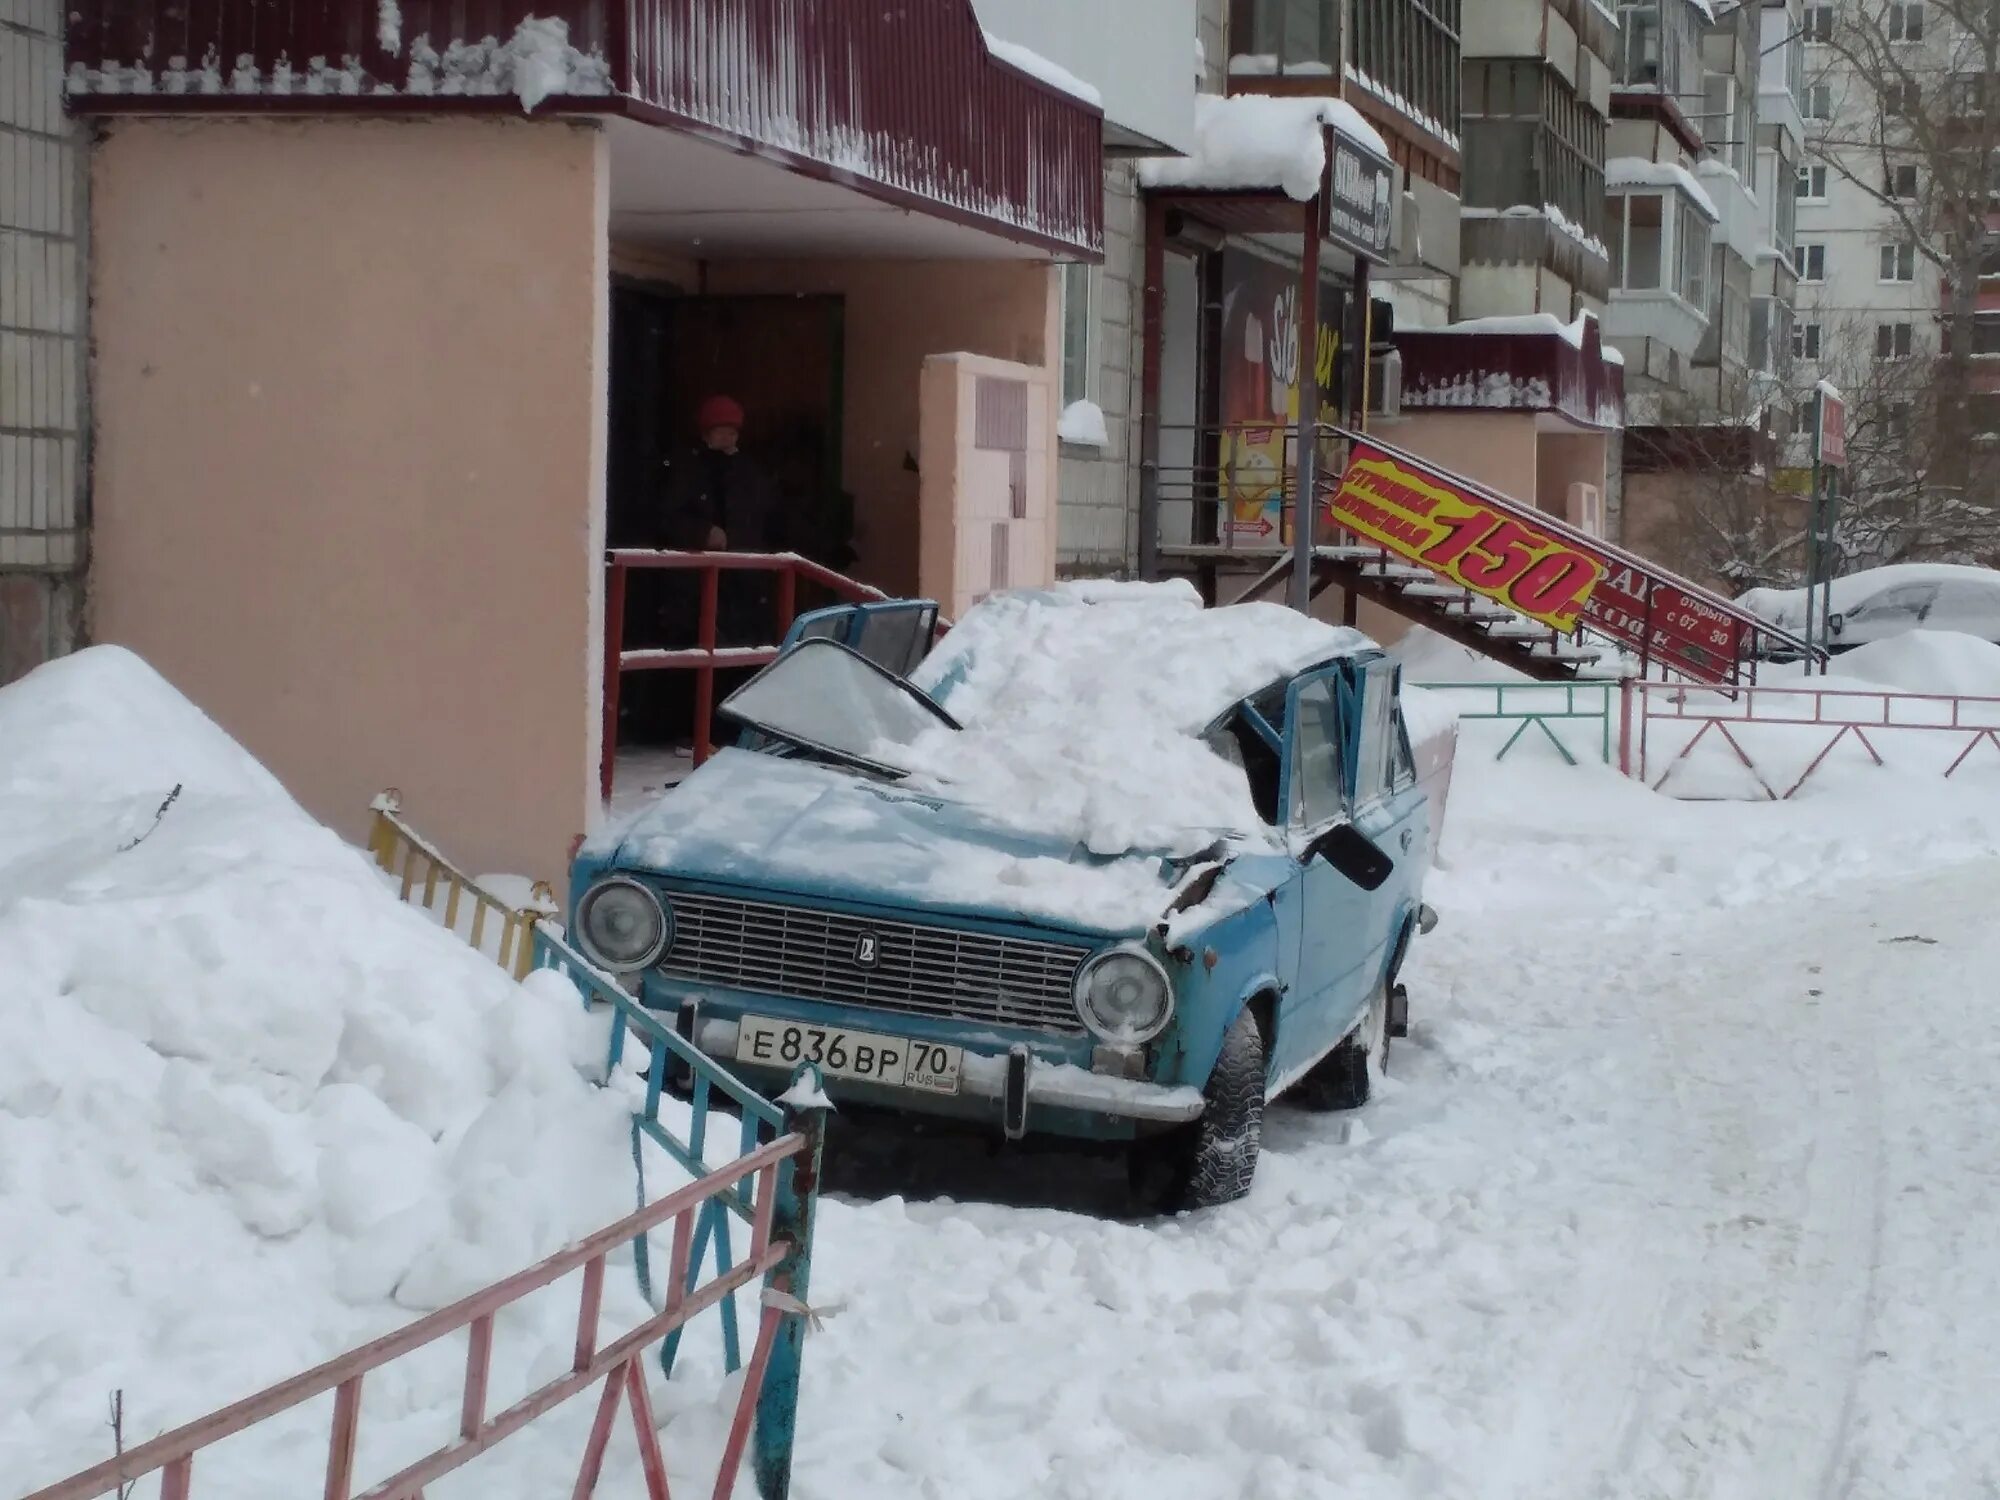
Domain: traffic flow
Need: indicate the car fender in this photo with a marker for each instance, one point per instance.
(1217, 971)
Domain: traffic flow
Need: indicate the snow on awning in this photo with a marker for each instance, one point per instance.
(1249, 141)
(1531, 363)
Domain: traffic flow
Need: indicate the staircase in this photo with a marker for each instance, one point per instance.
(1621, 604)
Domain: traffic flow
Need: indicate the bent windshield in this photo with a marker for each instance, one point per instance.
(823, 697)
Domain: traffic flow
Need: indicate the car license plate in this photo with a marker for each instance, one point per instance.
(840, 1053)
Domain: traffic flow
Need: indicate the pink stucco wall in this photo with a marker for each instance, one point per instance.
(349, 391)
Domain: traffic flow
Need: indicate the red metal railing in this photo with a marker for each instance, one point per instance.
(704, 657)
(1814, 717)
(617, 1364)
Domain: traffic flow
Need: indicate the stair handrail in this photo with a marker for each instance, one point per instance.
(1550, 522)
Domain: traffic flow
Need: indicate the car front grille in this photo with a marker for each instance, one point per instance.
(811, 954)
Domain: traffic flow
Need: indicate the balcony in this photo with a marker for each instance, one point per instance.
(909, 107)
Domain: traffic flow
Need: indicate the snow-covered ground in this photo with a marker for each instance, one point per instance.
(1681, 1187)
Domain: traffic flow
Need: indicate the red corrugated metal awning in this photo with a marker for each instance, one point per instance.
(902, 102)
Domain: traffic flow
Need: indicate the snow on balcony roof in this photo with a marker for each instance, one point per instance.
(1039, 67)
(1255, 141)
(1636, 171)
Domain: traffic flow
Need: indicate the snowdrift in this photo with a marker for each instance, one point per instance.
(253, 1111)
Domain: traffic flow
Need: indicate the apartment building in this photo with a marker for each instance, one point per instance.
(1706, 142)
(43, 454)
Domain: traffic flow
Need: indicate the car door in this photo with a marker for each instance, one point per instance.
(1969, 608)
(1328, 987)
(1387, 805)
(1891, 612)
(895, 634)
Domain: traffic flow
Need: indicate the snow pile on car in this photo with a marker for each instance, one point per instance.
(1083, 705)
(253, 1111)
(1786, 608)
(1926, 661)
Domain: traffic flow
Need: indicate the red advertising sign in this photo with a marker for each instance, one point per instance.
(1465, 537)
(1831, 444)
(1678, 630)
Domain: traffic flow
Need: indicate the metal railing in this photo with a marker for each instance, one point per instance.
(1536, 706)
(531, 941)
(1753, 719)
(1228, 490)
(617, 1364)
(429, 880)
(704, 657)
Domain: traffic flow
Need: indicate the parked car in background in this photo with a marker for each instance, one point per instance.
(1106, 865)
(1877, 603)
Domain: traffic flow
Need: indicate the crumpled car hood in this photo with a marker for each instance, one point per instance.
(793, 826)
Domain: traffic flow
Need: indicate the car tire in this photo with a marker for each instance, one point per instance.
(1212, 1161)
(1345, 1077)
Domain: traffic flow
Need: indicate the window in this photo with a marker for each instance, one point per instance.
(1639, 243)
(1283, 36)
(1892, 340)
(1819, 23)
(1901, 99)
(1694, 246)
(1809, 261)
(1986, 336)
(1896, 422)
(1818, 102)
(1805, 340)
(1317, 794)
(1658, 46)
(1375, 773)
(1900, 181)
(1409, 50)
(1530, 139)
(1079, 315)
(1899, 263)
(1812, 184)
(1906, 21)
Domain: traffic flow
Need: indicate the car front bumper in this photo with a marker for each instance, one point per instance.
(1016, 1089)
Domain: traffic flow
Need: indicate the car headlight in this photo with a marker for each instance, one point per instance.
(623, 925)
(1124, 996)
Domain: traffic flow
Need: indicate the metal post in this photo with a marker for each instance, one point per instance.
(1306, 467)
(778, 1397)
(1828, 557)
(1152, 325)
(1812, 545)
(614, 650)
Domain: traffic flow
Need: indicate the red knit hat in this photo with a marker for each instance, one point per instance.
(718, 411)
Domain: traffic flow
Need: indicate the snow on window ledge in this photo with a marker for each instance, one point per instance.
(1082, 426)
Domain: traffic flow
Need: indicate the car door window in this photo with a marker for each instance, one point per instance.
(1374, 770)
(1318, 790)
(1910, 600)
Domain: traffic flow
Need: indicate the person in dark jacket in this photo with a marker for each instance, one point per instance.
(719, 498)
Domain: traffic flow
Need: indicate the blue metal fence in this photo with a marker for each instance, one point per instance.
(1535, 706)
(758, 1122)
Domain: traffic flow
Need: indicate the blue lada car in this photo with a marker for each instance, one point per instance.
(972, 935)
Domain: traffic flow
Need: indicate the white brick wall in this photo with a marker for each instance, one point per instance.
(42, 298)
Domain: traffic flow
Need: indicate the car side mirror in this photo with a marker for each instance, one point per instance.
(1353, 854)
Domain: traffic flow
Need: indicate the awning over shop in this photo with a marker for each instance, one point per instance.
(1263, 165)
(1535, 363)
(905, 105)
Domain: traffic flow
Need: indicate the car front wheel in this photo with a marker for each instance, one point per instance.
(1345, 1077)
(1213, 1160)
